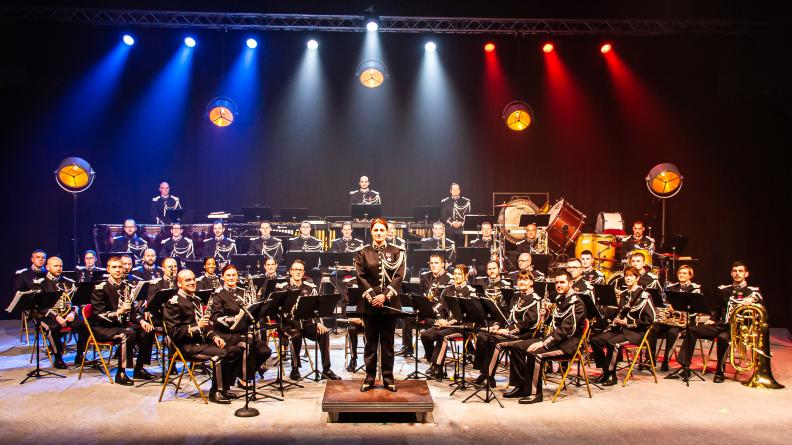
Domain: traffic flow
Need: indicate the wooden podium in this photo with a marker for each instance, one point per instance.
(344, 396)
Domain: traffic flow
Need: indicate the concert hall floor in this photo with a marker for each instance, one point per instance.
(93, 411)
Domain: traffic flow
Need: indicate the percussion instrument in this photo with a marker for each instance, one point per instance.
(509, 218)
(602, 247)
(610, 222)
(563, 214)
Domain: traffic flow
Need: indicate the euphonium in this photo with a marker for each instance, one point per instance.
(750, 345)
(63, 306)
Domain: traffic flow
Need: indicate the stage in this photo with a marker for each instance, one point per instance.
(91, 410)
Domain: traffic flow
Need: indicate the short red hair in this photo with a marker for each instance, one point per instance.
(379, 221)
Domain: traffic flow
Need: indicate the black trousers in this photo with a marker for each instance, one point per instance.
(296, 335)
(485, 350)
(128, 337)
(525, 368)
(225, 360)
(408, 327)
(606, 346)
(718, 332)
(53, 330)
(380, 331)
(256, 356)
(670, 334)
(352, 332)
(432, 340)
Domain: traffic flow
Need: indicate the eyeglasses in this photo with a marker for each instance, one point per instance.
(297, 270)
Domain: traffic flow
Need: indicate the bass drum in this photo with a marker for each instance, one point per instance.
(563, 214)
(509, 218)
(602, 247)
(610, 222)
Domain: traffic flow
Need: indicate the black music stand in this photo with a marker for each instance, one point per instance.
(473, 222)
(365, 212)
(540, 219)
(420, 257)
(330, 259)
(311, 259)
(33, 302)
(104, 256)
(473, 313)
(254, 314)
(297, 214)
(690, 303)
(426, 214)
(473, 256)
(422, 309)
(174, 215)
(606, 298)
(255, 214)
(354, 294)
(248, 262)
(204, 295)
(279, 305)
(311, 307)
(154, 306)
(492, 315)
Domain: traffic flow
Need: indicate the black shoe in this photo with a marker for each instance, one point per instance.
(611, 380)
(262, 369)
(352, 365)
(330, 375)
(216, 397)
(480, 379)
(491, 382)
(664, 367)
(228, 394)
(143, 375)
(122, 379)
(675, 375)
(366, 386)
(718, 378)
(59, 363)
(295, 374)
(530, 400)
(600, 378)
(390, 387)
(513, 393)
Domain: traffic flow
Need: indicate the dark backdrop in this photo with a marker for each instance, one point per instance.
(724, 104)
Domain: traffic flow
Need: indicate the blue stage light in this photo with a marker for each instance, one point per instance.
(129, 40)
(190, 42)
(252, 43)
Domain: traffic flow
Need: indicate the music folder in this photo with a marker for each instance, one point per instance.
(688, 302)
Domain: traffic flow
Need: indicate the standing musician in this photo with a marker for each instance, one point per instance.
(148, 269)
(162, 203)
(364, 195)
(114, 319)
(220, 247)
(717, 327)
(380, 269)
(524, 318)
(439, 241)
(448, 327)
(178, 245)
(525, 263)
(671, 333)
(530, 244)
(636, 315)
(90, 272)
(529, 356)
(62, 314)
(637, 240)
(187, 324)
(231, 320)
(209, 279)
(266, 244)
(129, 241)
(312, 329)
(23, 278)
(453, 210)
(589, 273)
(486, 239)
(493, 283)
(126, 265)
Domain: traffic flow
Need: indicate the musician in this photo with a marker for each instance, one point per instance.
(209, 278)
(188, 327)
(346, 243)
(162, 203)
(305, 242)
(589, 273)
(523, 320)
(178, 245)
(129, 241)
(525, 263)
(453, 210)
(167, 281)
(579, 283)
(220, 247)
(439, 241)
(126, 264)
(670, 333)
(380, 269)
(395, 240)
(90, 272)
(638, 240)
(23, 278)
(364, 195)
(493, 283)
(62, 314)
(266, 244)
(636, 315)
(647, 280)
(449, 327)
(529, 356)
(231, 320)
(433, 282)
(148, 269)
(717, 327)
(530, 244)
(113, 318)
(486, 239)
(312, 329)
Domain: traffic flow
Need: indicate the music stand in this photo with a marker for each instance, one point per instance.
(154, 306)
(309, 308)
(471, 313)
(297, 214)
(311, 259)
(492, 315)
(472, 255)
(540, 219)
(104, 256)
(255, 214)
(248, 262)
(657, 297)
(82, 295)
(363, 212)
(196, 266)
(33, 302)
(426, 214)
(420, 257)
(330, 259)
(204, 295)
(690, 303)
(279, 305)
(173, 215)
(422, 309)
(354, 295)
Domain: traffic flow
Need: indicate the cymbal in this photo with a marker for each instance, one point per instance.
(608, 243)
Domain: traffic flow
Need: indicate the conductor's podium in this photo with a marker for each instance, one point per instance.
(344, 396)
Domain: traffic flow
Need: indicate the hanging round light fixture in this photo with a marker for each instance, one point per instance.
(518, 115)
(221, 111)
(74, 175)
(371, 73)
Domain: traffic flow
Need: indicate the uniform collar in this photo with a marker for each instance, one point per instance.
(379, 248)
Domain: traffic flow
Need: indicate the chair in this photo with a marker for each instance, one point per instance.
(87, 311)
(577, 357)
(187, 365)
(643, 347)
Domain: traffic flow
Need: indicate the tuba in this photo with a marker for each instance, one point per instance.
(750, 345)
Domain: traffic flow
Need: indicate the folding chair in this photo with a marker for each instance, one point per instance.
(577, 357)
(187, 365)
(643, 347)
(87, 311)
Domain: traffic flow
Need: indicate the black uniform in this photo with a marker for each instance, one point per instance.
(307, 244)
(482, 243)
(156, 285)
(132, 244)
(270, 247)
(367, 196)
(160, 205)
(492, 290)
(454, 210)
(177, 248)
(527, 246)
(630, 243)
(221, 249)
(340, 283)
(297, 329)
(147, 273)
(23, 278)
(668, 332)
(206, 281)
(443, 335)
(346, 245)
(433, 243)
(730, 297)
(538, 275)
(231, 322)
(181, 314)
(86, 275)
(430, 284)
(380, 271)
(649, 280)
(593, 276)
(396, 241)
(48, 317)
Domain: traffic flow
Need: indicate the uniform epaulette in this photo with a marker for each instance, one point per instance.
(217, 291)
(310, 284)
(155, 280)
(38, 280)
(754, 288)
(100, 285)
(426, 272)
(445, 199)
(174, 299)
(471, 288)
(255, 238)
(374, 192)
(118, 236)
(155, 199)
(399, 247)
(649, 238)
(294, 237)
(67, 279)
(281, 285)
(230, 240)
(358, 240)
(724, 286)
(21, 271)
(165, 240)
(353, 192)
(695, 286)
(175, 198)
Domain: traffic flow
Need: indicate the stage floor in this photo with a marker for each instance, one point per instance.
(93, 411)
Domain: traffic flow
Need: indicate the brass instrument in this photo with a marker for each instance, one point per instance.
(541, 243)
(670, 317)
(548, 308)
(750, 345)
(127, 299)
(203, 314)
(64, 306)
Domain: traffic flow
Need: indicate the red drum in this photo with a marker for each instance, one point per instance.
(563, 214)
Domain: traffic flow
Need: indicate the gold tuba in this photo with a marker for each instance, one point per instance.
(750, 345)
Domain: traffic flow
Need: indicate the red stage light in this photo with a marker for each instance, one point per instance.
(606, 48)
(548, 48)
(489, 47)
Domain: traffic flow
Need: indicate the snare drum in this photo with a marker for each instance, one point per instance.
(563, 214)
(610, 222)
(602, 247)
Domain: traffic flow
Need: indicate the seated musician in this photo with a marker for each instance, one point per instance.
(589, 273)
(90, 272)
(525, 263)
(636, 314)
(364, 195)
(209, 278)
(579, 283)
(485, 240)
(637, 240)
(523, 320)
(312, 329)
(113, 318)
(717, 327)
(447, 328)
(394, 240)
(231, 320)
(62, 314)
(266, 244)
(148, 269)
(188, 325)
(433, 282)
(530, 244)
(168, 281)
(671, 333)
(178, 245)
(346, 243)
(23, 278)
(129, 241)
(219, 247)
(439, 241)
(493, 283)
(305, 242)
(127, 264)
(528, 356)
(647, 279)
(163, 202)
